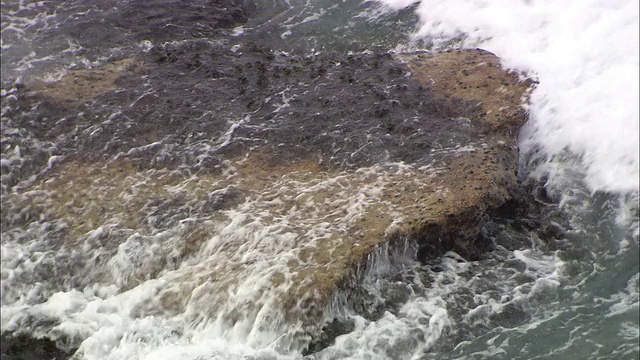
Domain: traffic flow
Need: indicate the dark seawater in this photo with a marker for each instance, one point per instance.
(562, 282)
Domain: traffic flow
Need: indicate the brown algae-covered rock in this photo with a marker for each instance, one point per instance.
(253, 185)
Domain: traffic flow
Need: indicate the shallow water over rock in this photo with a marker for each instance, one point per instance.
(206, 165)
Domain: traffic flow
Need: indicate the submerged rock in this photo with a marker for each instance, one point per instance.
(23, 347)
(255, 184)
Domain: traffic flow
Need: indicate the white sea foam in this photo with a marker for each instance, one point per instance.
(123, 305)
(585, 55)
(418, 325)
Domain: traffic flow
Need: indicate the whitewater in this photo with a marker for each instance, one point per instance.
(577, 298)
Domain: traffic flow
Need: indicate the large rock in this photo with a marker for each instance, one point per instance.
(254, 184)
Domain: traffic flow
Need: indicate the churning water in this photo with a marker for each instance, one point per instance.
(574, 295)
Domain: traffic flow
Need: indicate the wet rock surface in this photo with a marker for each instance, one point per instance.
(326, 157)
(23, 347)
(346, 111)
(90, 27)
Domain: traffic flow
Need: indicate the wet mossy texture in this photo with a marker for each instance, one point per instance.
(201, 126)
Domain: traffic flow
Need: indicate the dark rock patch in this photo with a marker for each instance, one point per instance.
(24, 347)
